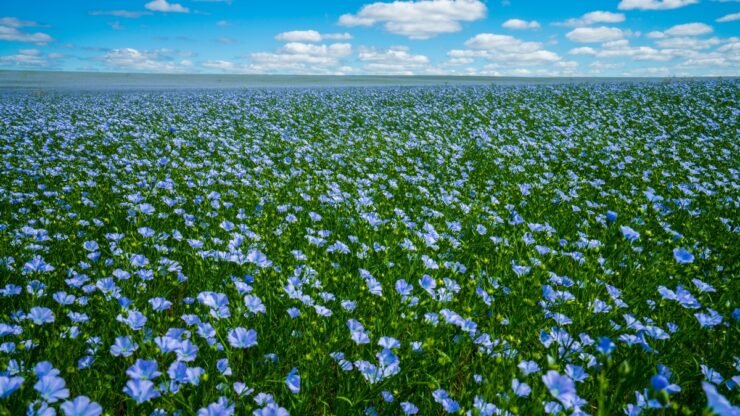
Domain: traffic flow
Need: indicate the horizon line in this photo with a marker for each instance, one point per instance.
(231, 74)
(18, 80)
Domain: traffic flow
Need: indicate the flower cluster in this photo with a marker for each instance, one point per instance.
(490, 250)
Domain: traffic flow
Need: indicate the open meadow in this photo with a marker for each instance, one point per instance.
(521, 249)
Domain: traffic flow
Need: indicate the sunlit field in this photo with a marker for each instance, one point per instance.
(481, 250)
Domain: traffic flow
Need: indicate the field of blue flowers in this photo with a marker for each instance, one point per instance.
(558, 249)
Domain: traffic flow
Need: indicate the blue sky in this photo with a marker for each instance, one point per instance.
(456, 37)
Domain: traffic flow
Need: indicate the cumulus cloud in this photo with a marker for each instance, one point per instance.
(310, 36)
(655, 35)
(505, 50)
(281, 67)
(651, 71)
(595, 34)
(417, 19)
(301, 54)
(13, 34)
(725, 57)
(492, 41)
(688, 43)
(225, 66)
(120, 13)
(165, 7)
(654, 4)
(597, 66)
(299, 57)
(521, 24)
(10, 30)
(622, 49)
(689, 29)
(397, 61)
(561, 68)
(333, 51)
(15, 22)
(149, 61)
(729, 18)
(459, 61)
(593, 17)
(24, 58)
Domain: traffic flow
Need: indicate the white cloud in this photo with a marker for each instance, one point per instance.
(729, 18)
(119, 13)
(223, 23)
(505, 50)
(418, 19)
(598, 66)
(520, 24)
(15, 22)
(10, 31)
(299, 36)
(165, 7)
(333, 51)
(300, 55)
(705, 61)
(310, 36)
(563, 68)
(297, 57)
(732, 45)
(622, 49)
(583, 50)
(725, 57)
(13, 34)
(595, 34)
(226, 66)
(29, 58)
(396, 60)
(654, 4)
(150, 61)
(731, 50)
(460, 61)
(652, 71)
(687, 43)
(689, 29)
(491, 41)
(336, 36)
(593, 17)
(24, 57)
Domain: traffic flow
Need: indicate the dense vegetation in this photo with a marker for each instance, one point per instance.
(566, 249)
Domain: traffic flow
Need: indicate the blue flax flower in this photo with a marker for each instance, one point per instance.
(222, 407)
(143, 370)
(51, 388)
(242, 338)
(293, 381)
(718, 403)
(561, 387)
(683, 256)
(8, 385)
(141, 390)
(81, 406)
(409, 408)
